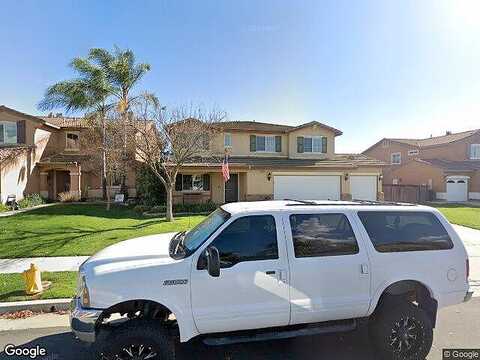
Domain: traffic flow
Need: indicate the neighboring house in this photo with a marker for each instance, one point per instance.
(449, 164)
(270, 161)
(44, 155)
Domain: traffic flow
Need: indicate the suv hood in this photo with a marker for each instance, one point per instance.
(140, 252)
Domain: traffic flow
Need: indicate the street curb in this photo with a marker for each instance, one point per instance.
(49, 305)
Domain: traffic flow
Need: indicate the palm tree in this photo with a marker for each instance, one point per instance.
(123, 73)
(89, 91)
(104, 81)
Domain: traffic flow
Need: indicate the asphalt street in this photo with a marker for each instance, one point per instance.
(458, 327)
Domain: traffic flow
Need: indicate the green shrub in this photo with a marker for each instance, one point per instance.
(31, 201)
(158, 209)
(68, 196)
(194, 208)
(4, 208)
(141, 208)
(150, 189)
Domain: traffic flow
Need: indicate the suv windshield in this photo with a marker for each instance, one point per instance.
(200, 233)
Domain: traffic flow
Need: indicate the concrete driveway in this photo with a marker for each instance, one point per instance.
(471, 239)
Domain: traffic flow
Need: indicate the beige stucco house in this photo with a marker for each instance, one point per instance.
(449, 165)
(267, 161)
(45, 155)
(272, 161)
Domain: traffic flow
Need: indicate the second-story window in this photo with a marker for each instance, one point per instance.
(265, 143)
(227, 140)
(8, 132)
(73, 141)
(475, 152)
(312, 144)
(396, 158)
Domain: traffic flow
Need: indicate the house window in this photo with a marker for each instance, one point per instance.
(8, 132)
(227, 140)
(265, 143)
(413, 152)
(312, 144)
(475, 151)
(205, 139)
(73, 141)
(396, 158)
(195, 182)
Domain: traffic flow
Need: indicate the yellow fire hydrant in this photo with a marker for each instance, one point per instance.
(33, 280)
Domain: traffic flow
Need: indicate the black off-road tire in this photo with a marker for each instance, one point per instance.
(393, 319)
(144, 336)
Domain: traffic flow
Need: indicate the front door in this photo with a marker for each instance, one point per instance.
(329, 268)
(252, 289)
(231, 189)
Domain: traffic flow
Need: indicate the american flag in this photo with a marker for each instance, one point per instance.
(225, 169)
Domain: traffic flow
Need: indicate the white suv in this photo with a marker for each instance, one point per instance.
(275, 269)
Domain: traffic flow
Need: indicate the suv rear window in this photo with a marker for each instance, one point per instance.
(322, 235)
(405, 231)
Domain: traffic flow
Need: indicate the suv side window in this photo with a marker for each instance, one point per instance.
(405, 231)
(247, 239)
(322, 235)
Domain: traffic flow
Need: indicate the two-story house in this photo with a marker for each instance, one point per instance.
(267, 161)
(46, 155)
(449, 164)
(272, 161)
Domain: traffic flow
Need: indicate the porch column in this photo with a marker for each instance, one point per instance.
(75, 187)
(44, 184)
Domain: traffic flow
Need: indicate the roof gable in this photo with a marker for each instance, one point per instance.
(269, 127)
(35, 119)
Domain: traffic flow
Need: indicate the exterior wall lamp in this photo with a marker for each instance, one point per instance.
(346, 176)
(269, 176)
(380, 177)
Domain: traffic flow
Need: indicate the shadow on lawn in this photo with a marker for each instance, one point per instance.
(54, 240)
(96, 210)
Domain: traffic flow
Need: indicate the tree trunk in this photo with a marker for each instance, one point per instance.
(169, 209)
(109, 200)
(104, 159)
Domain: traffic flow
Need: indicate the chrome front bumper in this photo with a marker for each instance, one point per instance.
(82, 321)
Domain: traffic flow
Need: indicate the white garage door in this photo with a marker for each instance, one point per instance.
(363, 187)
(457, 189)
(322, 187)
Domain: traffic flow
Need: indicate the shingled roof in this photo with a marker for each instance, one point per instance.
(268, 127)
(64, 121)
(451, 165)
(437, 140)
(340, 161)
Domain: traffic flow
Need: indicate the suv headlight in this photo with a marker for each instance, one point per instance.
(82, 291)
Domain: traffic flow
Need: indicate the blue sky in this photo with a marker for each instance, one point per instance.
(370, 68)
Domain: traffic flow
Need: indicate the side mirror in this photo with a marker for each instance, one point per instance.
(213, 261)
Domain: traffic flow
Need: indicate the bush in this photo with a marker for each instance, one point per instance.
(68, 196)
(194, 208)
(158, 209)
(31, 201)
(150, 189)
(4, 208)
(141, 208)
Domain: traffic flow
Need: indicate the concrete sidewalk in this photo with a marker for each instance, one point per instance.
(61, 263)
(471, 240)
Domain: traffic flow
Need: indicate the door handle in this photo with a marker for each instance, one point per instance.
(364, 269)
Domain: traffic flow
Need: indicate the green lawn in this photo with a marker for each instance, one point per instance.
(12, 286)
(461, 214)
(78, 229)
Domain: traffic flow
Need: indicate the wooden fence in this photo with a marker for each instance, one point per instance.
(407, 193)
